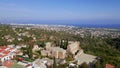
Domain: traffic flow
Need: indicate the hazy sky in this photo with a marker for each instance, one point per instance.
(62, 10)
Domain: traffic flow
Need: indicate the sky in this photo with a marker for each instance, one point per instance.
(60, 11)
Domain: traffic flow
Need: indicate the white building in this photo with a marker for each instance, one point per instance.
(35, 48)
(73, 47)
(58, 52)
(42, 63)
(48, 46)
(85, 58)
(6, 53)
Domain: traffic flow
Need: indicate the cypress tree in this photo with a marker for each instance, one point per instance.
(54, 64)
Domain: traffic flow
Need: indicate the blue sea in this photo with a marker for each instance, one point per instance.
(85, 25)
(82, 23)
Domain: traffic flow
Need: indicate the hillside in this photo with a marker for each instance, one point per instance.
(108, 49)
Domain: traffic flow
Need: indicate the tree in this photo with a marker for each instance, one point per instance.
(64, 43)
(84, 65)
(29, 51)
(41, 44)
(97, 64)
(24, 50)
(54, 64)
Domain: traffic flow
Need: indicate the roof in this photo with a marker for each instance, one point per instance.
(3, 47)
(8, 64)
(1, 56)
(1, 50)
(85, 58)
(41, 62)
(4, 50)
(58, 49)
(74, 44)
(109, 66)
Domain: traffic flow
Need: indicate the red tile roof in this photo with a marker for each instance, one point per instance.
(109, 66)
(1, 56)
(6, 52)
(3, 47)
(8, 64)
(1, 50)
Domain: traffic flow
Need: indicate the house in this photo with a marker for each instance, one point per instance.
(7, 53)
(38, 64)
(44, 53)
(11, 46)
(19, 39)
(19, 52)
(35, 47)
(25, 64)
(48, 62)
(42, 63)
(73, 47)
(9, 38)
(85, 58)
(58, 53)
(109, 66)
(48, 46)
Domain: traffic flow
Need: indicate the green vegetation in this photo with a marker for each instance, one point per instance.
(84, 65)
(54, 63)
(114, 42)
(97, 65)
(17, 66)
(107, 49)
(62, 65)
(102, 49)
(63, 43)
(41, 44)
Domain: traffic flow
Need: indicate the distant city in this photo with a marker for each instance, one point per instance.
(73, 24)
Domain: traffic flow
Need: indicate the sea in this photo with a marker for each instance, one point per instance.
(85, 24)
(82, 23)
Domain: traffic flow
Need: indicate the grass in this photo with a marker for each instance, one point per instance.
(17, 66)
